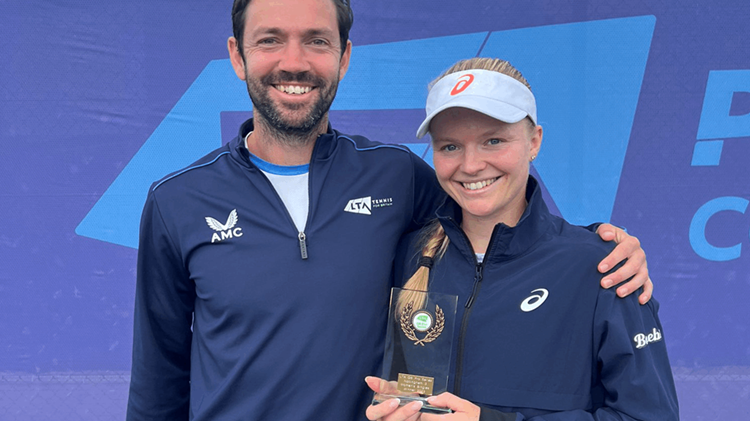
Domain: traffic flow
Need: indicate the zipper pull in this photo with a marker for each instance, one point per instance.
(477, 279)
(302, 245)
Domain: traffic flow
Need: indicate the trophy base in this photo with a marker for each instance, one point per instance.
(426, 407)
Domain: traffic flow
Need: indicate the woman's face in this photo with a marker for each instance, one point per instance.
(483, 163)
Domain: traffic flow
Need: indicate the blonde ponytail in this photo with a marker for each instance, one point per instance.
(435, 242)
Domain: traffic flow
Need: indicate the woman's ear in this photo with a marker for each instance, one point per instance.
(536, 140)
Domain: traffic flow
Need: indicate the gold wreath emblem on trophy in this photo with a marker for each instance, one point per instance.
(432, 333)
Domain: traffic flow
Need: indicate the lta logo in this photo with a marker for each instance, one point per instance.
(362, 206)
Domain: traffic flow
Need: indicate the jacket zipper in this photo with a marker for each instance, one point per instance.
(478, 277)
(301, 236)
(302, 245)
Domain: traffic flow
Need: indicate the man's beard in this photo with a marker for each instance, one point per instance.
(272, 118)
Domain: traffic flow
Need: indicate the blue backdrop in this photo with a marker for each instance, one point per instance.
(645, 105)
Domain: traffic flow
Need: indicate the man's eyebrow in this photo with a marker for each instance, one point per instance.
(320, 31)
(266, 31)
(307, 33)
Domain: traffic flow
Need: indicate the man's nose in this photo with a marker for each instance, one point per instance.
(294, 59)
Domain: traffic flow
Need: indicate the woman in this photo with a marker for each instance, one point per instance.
(534, 340)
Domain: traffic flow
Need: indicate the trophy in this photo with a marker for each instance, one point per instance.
(418, 346)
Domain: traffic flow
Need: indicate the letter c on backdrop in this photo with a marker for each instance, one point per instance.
(698, 240)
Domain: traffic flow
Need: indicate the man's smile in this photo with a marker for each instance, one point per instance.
(293, 89)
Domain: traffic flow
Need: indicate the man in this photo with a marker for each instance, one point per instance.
(279, 312)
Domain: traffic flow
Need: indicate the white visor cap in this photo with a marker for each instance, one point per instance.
(488, 92)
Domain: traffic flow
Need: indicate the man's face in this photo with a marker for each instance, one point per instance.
(292, 62)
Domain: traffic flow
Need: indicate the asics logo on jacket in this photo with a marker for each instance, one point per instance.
(533, 302)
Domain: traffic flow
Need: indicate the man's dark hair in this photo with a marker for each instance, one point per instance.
(344, 16)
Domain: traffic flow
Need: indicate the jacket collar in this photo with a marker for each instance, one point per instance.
(324, 144)
(506, 242)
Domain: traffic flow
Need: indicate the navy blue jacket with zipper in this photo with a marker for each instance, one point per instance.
(578, 352)
(246, 318)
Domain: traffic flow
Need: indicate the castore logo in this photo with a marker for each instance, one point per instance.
(226, 230)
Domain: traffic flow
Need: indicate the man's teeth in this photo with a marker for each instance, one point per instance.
(479, 184)
(293, 89)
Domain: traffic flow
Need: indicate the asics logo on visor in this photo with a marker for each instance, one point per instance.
(463, 83)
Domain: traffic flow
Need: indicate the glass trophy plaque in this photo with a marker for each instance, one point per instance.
(418, 346)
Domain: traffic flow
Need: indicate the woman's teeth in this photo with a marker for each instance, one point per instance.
(479, 184)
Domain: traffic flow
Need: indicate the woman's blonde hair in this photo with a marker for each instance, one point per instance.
(434, 242)
(484, 63)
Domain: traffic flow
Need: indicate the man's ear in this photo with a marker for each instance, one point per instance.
(344, 62)
(238, 63)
